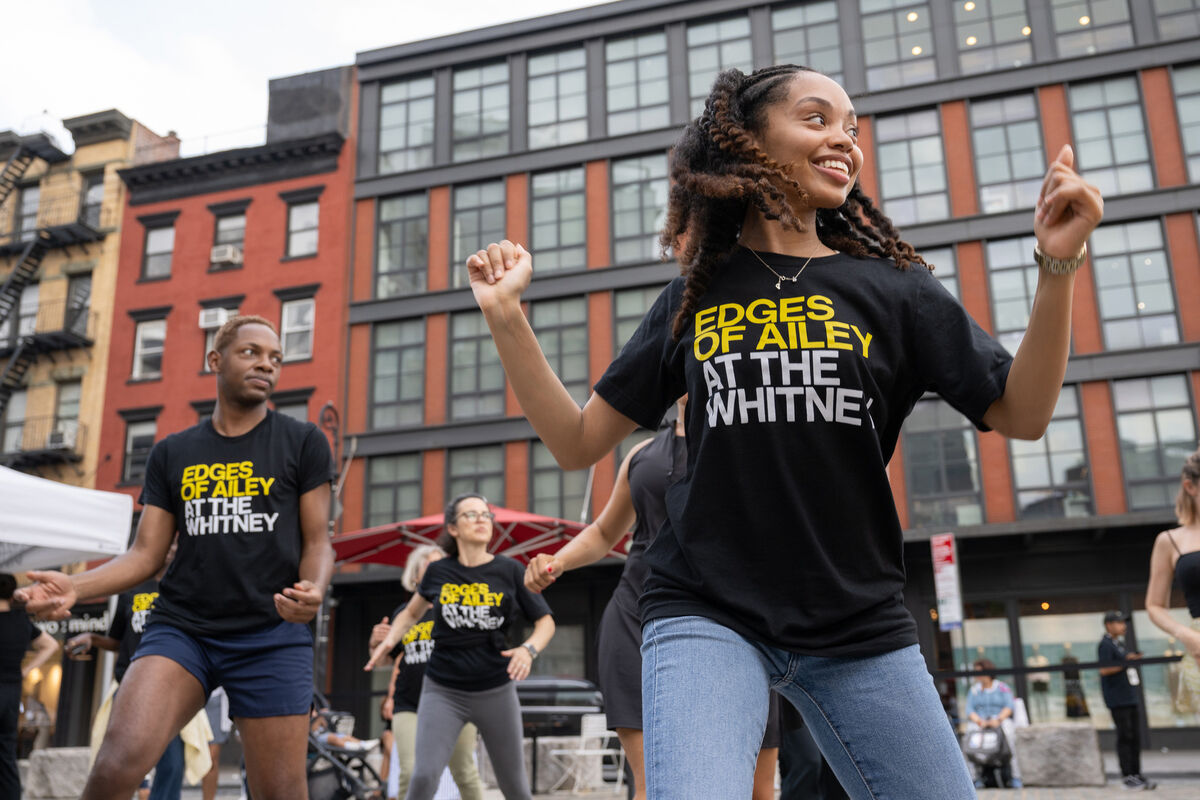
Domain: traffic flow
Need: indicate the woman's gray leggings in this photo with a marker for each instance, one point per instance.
(441, 715)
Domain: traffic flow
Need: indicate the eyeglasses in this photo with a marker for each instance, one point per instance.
(473, 516)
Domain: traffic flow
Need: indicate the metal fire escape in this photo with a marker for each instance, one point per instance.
(10, 299)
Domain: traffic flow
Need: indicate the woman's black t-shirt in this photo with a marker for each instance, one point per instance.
(473, 607)
(16, 634)
(417, 646)
(236, 501)
(784, 528)
(129, 622)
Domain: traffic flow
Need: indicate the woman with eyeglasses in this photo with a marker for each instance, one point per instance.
(470, 675)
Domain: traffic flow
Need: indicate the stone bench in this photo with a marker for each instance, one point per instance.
(56, 772)
(1060, 754)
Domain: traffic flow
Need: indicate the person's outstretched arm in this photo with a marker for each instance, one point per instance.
(1068, 210)
(43, 647)
(411, 614)
(53, 594)
(576, 437)
(595, 541)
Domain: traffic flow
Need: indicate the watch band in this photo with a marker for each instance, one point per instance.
(1059, 266)
(533, 651)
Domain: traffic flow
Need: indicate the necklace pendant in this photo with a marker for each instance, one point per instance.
(793, 278)
(778, 284)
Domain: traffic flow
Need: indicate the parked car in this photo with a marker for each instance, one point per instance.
(552, 706)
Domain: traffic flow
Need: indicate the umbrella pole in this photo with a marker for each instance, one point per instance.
(587, 495)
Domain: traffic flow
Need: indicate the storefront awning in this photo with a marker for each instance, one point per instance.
(518, 535)
(44, 524)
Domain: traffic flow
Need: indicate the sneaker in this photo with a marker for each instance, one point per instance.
(1134, 783)
(1016, 784)
(368, 744)
(1149, 784)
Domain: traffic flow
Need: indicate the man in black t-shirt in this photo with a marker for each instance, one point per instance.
(17, 635)
(248, 494)
(1119, 685)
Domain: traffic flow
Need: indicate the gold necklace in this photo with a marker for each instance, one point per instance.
(782, 278)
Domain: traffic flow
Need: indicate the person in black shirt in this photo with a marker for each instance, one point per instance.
(411, 656)
(803, 330)
(17, 635)
(469, 677)
(1119, 684)
(248, 493)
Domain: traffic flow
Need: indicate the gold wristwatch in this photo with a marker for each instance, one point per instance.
(1059, 266)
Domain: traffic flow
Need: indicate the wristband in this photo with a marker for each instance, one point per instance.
(1059, 266)
(533, 651)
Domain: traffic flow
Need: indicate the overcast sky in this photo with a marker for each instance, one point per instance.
(201, 68)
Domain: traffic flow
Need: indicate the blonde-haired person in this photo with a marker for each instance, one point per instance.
(1176, 557)
(404, 687)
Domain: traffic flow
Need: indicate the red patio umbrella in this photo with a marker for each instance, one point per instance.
(519, 534)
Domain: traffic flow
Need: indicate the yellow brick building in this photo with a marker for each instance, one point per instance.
(60, 240)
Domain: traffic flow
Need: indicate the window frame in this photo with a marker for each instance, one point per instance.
(614, 240)
(480, 339)
(557, 195)
(420, 276)
(458, 277)
(542, 505)
(295, 302)
(370, 486)
(696, 101)
(148, 256)
(558, 97)
(1100, 174)
(141, 326)
(373, 403)
(1170, 477)
(1084, 486)
(409, 163)
(973, 458)
(909, 139)
(638, 60)
(550, 338)
(1099, 256)
(1012, 157)
(897, 66)
(494, 498)
(479, 137)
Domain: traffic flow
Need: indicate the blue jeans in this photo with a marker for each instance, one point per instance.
(168, 773)
(877, 720)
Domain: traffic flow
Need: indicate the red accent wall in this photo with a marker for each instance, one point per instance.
(439, 238)
(1183, 250)
(956, 133)
(867, 178)
(1170, 166)
(1104, 452)
(599, 241)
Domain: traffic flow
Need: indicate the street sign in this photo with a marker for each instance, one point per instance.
(946, 582)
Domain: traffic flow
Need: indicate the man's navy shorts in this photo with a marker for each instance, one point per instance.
(266, 673)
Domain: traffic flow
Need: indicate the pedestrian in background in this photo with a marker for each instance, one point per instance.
(990, 705)
(1119, 684)
(17, 635)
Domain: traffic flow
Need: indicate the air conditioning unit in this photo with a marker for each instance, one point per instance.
(225, 255)
(62, 437)
(211, 318)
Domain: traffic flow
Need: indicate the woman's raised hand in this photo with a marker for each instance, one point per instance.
(1068, 208)
(499, 273)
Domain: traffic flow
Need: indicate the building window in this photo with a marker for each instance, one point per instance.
(945, 267)
(558, 220)
(13, 430)
(406, 125)
(476, 377)
(912, 170)
(93, 199)
(1187, 104)
(992, 34)
(210, 335)
(402, 254)
(1111, 149)
(557, 98)
(808, 34)
(148, 341)
(296, 410)
(66, 409)
(476, 469)
(478, 220)
(1177, 19)
(1085, 27)
(941, 466)
(1007, 140)
(561, 329)
(636, 83)
(552, 491)
(713, 47)
(1133, 281)
(393, 489)
(302, 229)
(1157, 429)
(25, 221)
(480, 111)
(1013, 276)
(160, 243)
(79, 304)
(897, 43)
(1051, 475)
(639, 207)
(296, 328)
(398, 374)
(231, 229)
(24, 321)
(629, 307)
(139, 439)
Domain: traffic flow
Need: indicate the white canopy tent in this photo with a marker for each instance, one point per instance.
(44, 524)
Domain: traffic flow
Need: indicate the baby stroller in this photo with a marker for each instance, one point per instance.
(337, 773)
(987, 749)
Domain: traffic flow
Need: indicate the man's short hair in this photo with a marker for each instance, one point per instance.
(228, 332)
(8, 585)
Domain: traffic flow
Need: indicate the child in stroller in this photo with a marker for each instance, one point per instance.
(337, 760)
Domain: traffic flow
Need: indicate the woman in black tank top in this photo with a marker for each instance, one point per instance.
(1176, 557)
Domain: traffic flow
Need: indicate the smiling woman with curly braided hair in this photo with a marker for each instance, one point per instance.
(804, 331)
